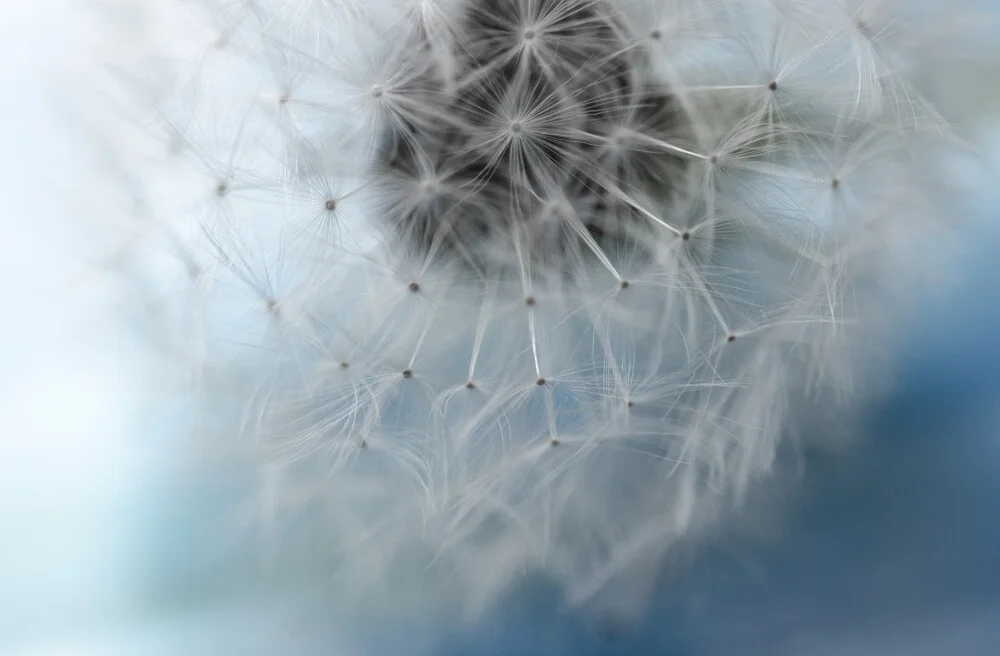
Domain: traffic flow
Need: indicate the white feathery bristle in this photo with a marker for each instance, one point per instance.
(491, 287)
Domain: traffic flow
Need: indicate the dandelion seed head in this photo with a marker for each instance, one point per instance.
(446, 166)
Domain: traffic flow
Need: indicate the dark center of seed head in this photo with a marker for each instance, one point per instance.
(407, 144)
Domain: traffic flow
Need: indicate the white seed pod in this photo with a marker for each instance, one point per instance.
(490, 288)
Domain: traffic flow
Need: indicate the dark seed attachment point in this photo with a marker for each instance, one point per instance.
(470, 385)
(407, 373)
(330, 205)
(731, 338)
(530, 301)
(624, 284)
(686, 236)
(540, 382)
(414, 286)
(554, 441)
(345, 365)
(835, 183)
(773, 86)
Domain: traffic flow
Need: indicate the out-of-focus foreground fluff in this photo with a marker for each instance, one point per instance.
(490, 290)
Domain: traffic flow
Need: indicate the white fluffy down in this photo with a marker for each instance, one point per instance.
(447, 428)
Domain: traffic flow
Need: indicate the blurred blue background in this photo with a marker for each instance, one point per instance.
(107, 547)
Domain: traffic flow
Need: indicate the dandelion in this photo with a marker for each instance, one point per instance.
(540, 285)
